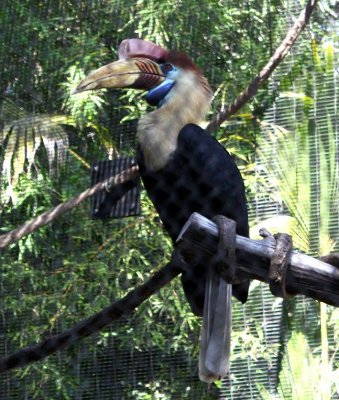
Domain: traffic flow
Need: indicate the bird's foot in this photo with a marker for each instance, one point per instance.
(178, 259)
(332, 259)
(225, 258)
(279, 262)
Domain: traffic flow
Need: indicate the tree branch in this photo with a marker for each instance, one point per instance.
(92, 324)
(267, 70)
(50, 215)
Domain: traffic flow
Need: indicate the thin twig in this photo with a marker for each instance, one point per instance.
(267, 70)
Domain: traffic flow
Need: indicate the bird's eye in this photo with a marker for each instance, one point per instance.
(167, 68)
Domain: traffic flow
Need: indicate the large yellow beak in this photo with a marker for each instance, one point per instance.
(139, 73)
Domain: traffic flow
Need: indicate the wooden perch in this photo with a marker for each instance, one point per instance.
(305, 275)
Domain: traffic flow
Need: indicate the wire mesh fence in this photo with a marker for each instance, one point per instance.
(285, 145)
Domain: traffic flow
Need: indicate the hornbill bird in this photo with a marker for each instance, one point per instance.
(183, 168)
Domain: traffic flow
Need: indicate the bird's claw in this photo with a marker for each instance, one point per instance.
(332, 259)
(178, 259)
(279, 264)
(225, 258)
(267, 236)
(279, 261)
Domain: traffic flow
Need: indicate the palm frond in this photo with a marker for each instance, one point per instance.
(21, 138)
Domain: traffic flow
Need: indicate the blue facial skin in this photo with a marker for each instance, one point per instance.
(157, 96)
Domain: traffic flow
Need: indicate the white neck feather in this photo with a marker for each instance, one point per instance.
(158, 131)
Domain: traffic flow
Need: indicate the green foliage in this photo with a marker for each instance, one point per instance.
(302, 370)
(75, 266)
(302, 174)
(305, 166)
(22, 137)
(85, 106)
(301, 367)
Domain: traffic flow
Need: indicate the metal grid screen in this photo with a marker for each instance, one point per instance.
(76, 265)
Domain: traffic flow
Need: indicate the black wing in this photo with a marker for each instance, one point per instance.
(201, 177)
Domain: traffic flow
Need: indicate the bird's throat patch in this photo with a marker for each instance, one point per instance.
(157, 95)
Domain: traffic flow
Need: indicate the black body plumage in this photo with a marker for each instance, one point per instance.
(202, 177)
